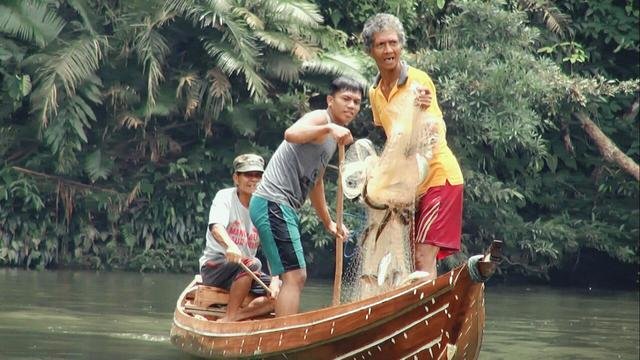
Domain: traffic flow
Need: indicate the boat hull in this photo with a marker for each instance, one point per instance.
(439, 319)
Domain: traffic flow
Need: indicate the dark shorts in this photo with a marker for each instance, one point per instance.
(279, 229)
(439, 218)
(222, 274)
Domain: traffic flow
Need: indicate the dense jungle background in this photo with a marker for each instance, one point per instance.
(119, 121)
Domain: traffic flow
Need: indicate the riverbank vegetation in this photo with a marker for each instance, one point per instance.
(119, 120)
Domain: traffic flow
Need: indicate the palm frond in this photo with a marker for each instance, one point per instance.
(211, 13)
(152, 50)
(232, 63)
(130, 121)
(304, 51)
(555, 20)
(67, 131)
(238, 34)
(236, 50)
(120, 97)
(98, 166)
(31, 21)
(276, 40)
(86, 14)
(294, 13)
(133, 194)
(283, 67)
(69, 66)
(215, 96)
(252, 19)
(189, 88)
(336, 63)
(219, 85)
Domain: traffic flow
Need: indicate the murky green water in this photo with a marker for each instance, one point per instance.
(87, 315)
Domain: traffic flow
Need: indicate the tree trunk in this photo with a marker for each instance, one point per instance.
(607, 148)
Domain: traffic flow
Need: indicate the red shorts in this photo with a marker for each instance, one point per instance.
(439, 218)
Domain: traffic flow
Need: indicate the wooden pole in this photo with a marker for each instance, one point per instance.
(337, 284)
(255, 277)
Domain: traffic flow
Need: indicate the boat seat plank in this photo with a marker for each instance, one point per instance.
(206, 296)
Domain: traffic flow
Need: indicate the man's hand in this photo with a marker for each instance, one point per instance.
(341, 134)
(343, 234)
(274, 286)
(423, 97)
(233, 253)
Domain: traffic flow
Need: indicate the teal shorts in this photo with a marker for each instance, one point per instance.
(279, 229)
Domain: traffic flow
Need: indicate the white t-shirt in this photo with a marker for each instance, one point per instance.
(227, 211)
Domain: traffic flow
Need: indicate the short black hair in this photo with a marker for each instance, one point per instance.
(345, 83)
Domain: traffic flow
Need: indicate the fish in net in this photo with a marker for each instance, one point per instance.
(385, 186)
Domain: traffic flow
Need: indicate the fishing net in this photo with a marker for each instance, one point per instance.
(380, 254)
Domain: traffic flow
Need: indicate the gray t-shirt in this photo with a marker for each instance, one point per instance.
(227, 210)
(293, 170)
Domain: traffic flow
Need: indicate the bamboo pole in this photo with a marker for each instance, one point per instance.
(337, 285)
(255, 277)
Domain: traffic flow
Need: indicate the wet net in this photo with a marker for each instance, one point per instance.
(379, 256)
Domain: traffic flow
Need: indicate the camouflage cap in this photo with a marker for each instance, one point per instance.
(248, 162)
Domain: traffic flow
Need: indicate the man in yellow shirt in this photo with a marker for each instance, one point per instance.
(397, 90)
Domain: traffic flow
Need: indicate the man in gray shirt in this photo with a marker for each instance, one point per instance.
(294, 174)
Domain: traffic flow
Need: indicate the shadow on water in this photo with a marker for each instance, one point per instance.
(116, 315)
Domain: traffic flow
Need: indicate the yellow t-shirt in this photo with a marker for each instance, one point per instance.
(396, 115)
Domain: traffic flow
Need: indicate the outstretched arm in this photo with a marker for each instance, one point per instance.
(314, 127)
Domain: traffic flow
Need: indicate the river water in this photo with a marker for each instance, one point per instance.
(118, 315)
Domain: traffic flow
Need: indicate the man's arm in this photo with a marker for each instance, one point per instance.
(222, 236)
(319, 203)
(314, 127)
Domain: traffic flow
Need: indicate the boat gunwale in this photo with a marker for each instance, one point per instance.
(357, 306)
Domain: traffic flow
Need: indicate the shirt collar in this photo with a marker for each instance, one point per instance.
(404, 75)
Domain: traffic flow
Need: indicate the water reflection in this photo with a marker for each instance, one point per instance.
(88, 315)
(545, 323)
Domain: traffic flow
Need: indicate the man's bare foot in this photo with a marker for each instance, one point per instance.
(227, 318)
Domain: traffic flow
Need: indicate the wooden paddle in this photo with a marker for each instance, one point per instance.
(337, 285)
(255, 277)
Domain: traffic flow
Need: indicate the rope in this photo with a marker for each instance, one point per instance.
(472, 264)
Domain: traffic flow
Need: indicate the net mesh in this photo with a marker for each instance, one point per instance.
(379, 255)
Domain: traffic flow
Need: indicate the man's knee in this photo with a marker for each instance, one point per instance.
(296, 277)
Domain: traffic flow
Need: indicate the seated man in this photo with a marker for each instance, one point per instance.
(232, 239)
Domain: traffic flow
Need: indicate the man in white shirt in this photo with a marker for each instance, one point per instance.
(231, 239)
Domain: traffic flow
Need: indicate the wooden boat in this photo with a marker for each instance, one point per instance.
(438, 319)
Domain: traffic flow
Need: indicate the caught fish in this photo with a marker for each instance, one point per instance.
(383, 267)
(416, 275)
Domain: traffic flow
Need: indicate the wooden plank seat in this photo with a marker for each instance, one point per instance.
(210, 300)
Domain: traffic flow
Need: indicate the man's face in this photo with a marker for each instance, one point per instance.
(247, 182)
(344, 105)
(386, 50)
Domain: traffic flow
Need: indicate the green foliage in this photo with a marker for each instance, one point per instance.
(529, 172)
(419, 18)
(609, 31)
(119, 120)
(32, 21)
